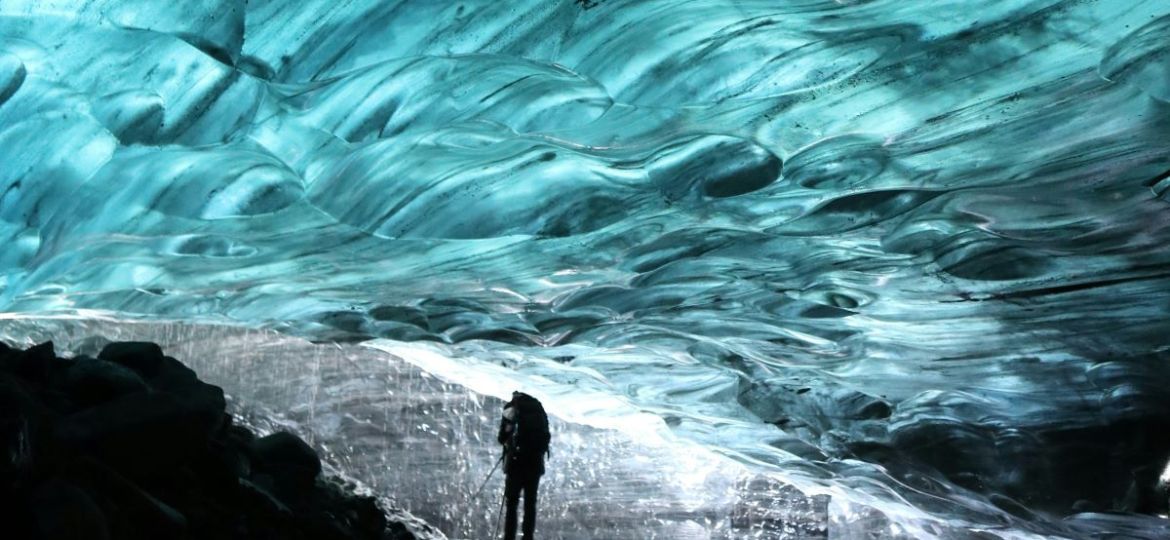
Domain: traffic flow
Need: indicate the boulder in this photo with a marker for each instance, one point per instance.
(141, 433)
(18, 415)
(8, 357)
(284, 448)
(144, 358)
(63, 511)
(170, 374)
(36, 363)
(204, 401)
(132, 445)
(292, 464)
(90, 382)
(132, 511)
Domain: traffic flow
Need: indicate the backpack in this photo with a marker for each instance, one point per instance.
(530, 436)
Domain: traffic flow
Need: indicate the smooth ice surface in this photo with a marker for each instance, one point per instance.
(913, 253)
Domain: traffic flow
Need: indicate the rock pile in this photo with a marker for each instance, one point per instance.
(132, 445)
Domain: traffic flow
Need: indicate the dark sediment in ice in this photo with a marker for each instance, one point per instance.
(1111, 465)
(132, 444)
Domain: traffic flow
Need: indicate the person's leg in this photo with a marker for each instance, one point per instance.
(531, 485)
(512, 487)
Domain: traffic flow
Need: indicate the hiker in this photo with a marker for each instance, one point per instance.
(524, 435)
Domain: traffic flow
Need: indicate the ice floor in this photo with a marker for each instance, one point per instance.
(427, 444)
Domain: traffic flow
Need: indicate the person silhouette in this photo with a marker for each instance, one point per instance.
(525, 438)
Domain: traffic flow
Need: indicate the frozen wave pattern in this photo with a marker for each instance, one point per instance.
(872, 244)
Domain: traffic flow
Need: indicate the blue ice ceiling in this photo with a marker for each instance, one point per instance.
(919, 243)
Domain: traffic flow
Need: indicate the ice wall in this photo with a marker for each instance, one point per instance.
(427, 444)
(913, 249)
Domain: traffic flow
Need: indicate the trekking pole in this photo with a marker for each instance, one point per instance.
(499, 511)
(489, 477)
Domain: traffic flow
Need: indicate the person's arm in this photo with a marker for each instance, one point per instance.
(507, 424)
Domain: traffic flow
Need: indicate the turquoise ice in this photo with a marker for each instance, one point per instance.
(912, 251)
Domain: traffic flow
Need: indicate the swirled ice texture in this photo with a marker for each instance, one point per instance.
(915, 251)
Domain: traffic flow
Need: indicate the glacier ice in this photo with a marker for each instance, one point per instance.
(910, 255)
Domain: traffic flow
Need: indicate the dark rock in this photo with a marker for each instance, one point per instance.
(141, 433)
(397, 531)
(90, 382)
(146, 515)
(284, 448)
(224, 459)
(15, 446)
(43, 352)
(18, 417)
(207, 406)
(259, 496)
(62, 511)
(136, 447)
(292, 464)
(171, 374)
(368, 519)
(143, 358)
(36, 363)
(7, 357)
(203, 400)
(239, 436)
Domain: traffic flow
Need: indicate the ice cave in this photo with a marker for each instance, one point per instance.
(807, 269)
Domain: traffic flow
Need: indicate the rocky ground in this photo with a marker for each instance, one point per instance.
(132, 445)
